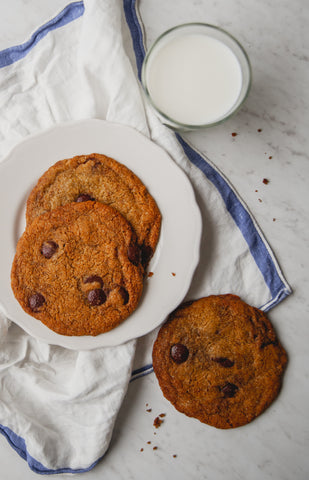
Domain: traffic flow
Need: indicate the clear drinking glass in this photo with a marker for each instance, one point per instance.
(183, 32)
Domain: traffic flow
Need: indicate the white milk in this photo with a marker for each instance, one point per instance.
(194, 79)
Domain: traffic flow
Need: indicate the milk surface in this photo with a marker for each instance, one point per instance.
(194, 79)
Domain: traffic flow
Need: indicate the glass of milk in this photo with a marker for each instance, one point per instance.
(195, 76)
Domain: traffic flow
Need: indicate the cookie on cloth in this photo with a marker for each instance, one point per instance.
(98, 177)
(219, 360)
(77, 269)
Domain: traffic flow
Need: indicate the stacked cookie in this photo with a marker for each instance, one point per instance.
(92, 228)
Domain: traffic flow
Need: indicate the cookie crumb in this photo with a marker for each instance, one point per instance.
(234, 134)
(274, 219)
(265, 181)
(260, 200)
(270, 157)
(259, 130)
(149, 410)
(149, 442)
(141, 450)
(174, 274)
(174, 456)
(256, 191)
(155, 448)
(150, 274)
(162, 415)
(157, 422)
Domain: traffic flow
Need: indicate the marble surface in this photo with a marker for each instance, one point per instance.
(272, 143)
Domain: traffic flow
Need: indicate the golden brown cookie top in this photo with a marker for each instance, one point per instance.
(98, 177)
(219, 360)
(77, 269)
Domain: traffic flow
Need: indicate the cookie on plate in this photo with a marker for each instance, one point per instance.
(219, 360)
(100, 178)
(77, 269)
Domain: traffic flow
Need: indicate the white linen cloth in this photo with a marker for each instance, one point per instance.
(57, 406)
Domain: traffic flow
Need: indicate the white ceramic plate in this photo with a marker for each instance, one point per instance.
(177, 252)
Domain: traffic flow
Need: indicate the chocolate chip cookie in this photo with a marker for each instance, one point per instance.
(77, 269)
(100, 178)
(219, 360)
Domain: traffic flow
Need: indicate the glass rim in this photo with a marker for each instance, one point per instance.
(239, 102)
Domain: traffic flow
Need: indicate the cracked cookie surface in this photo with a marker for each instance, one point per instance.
(77, 269)
(98, 177)
(219, 360)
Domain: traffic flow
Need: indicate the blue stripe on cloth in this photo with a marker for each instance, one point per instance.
(19, 445)
(261, 253)
(141, 372)
(136, 32)
(69, 13)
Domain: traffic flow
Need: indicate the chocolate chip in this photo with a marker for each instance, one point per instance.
(268, 342)
(179, 353)
(134, 254)
(225, 362)
(36, 301)
(146, 254)
(125, 295)
(84, 197)
(94, 279)
(229, 390)
(96, 297)
(49, 248)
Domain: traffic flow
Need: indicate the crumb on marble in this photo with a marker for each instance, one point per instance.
(157, 422)
(265, 181)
